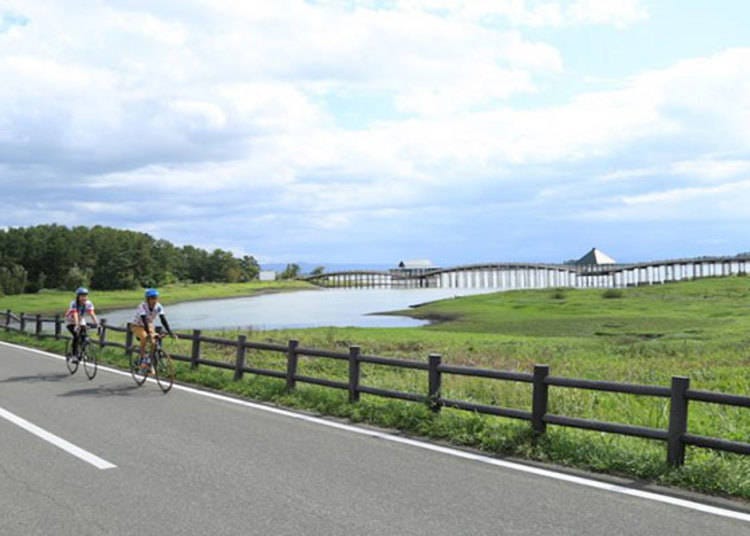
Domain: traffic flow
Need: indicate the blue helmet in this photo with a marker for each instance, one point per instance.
(152, 293)
(81, 291)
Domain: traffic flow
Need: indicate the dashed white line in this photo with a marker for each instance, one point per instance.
(546, 473)
(57, 441)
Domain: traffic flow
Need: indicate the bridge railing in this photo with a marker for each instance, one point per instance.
(676, 436)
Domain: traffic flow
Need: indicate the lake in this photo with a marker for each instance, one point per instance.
(301, 309)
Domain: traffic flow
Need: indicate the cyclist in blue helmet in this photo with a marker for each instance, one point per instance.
(75, 316)
(143, 326)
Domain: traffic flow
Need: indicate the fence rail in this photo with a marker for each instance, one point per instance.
(676, 435)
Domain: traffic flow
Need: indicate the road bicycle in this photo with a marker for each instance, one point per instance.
(157, 362)
(88, 354)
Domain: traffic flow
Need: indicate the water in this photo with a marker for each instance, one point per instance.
(303, 309)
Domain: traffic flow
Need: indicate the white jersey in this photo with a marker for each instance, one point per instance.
(150, 314)
(83, 310)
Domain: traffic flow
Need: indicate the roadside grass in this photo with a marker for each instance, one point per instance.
(700, 329)
(56, 301)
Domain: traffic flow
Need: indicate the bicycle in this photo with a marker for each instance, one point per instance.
(87, 354)
(161, 364)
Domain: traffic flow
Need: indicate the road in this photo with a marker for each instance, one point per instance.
(186, 463)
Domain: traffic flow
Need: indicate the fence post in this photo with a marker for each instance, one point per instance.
(128, 338)
(22, 322)
(678, 416)
(239, 364)
(38, 327)
(354, 352)
(195, 355)
(7, 319)
(103, 334)
(291, 365)
(58, 326)
(540, 399)
(434, 382)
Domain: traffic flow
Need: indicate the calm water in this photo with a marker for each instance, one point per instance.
(304, 309)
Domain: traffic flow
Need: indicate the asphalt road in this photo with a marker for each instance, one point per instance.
(191, 464)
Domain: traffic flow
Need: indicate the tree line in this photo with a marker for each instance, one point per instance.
(55, 256)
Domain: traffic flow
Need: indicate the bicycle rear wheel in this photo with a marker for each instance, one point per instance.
(164, 367)
(139, 374)
(72, 365)
(90, 356)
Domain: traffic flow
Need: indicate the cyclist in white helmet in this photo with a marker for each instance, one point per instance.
(75, 317)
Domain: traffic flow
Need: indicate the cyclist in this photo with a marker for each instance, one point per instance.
(76, 317)
(143, 325)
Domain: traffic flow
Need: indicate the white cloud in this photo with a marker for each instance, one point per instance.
(235, 103)
(618, 13)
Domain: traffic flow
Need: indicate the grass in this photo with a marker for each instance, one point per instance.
(56, 301)
(646, 335)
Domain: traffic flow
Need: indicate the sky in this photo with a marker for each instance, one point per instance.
(374, 131)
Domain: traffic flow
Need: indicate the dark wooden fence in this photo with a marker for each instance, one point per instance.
(676, 436)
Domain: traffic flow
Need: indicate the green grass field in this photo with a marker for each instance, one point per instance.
(56, 301)
(699, 329)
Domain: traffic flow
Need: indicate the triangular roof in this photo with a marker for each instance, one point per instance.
(416, 264)
(595, 257)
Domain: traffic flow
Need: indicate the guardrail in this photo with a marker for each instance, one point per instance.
(676, 435)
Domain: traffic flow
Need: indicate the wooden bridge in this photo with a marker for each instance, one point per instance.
(511, 276)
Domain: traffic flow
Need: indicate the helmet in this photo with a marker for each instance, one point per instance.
(152, 293)
(81, 290)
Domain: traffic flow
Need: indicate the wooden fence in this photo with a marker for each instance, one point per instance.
(676, 435)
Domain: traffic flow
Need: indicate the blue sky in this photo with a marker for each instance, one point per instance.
(368, 131)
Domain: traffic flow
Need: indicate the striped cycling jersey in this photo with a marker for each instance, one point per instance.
(86, 308)
(150, 314)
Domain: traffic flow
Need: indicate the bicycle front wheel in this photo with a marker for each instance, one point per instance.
(90, 357)
(139, 373)
(69, 362)
(165, 371)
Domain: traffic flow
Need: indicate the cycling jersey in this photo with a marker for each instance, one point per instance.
(86, 308)
(150, 314)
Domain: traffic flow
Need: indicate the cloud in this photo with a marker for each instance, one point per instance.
(619, 13)
(224, 114)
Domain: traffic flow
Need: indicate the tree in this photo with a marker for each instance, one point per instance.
(290, 272)
(55, 256)
(250, 268)
(318, 270)
(12, 279)
(76, 277)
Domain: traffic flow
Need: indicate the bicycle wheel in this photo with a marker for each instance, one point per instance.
(164, 367)
(139, 374)
(90, 357)
(72, 365)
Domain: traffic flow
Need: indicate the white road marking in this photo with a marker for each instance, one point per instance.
(546, 473)
(57, 441)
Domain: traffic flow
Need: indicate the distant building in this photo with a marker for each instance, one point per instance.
(267, 275)
(595, 258)
(414, 267)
